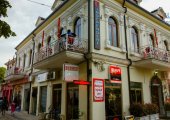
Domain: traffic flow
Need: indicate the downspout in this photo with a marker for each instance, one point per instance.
(32, 61)
(127, 52)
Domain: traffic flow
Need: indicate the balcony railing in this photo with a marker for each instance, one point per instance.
(64, 44)
(147, 52)
(13, 71)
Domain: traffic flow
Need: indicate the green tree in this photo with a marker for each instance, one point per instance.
(2, 74)
(5, 29)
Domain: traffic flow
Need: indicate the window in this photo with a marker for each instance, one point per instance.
(77, 27)
(49, 41)
(24, 60)
(39, 47)
(136, 92)
(151, 40)
(166, 45)
(30, 57)
(19, 62)
(135, 41)
(113, 32)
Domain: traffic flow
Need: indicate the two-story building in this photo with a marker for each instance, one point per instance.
(91, 59)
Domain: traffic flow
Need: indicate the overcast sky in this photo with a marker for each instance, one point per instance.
(23, 15)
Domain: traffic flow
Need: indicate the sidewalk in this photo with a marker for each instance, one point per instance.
(22, 115)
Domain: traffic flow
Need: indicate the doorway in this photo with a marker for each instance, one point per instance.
(157, 93)
(72, 101)
(34, 100)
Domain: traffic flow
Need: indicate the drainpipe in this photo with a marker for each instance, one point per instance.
(127, 52)
(32, 61)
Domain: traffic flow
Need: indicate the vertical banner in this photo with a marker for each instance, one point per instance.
(156, 37)
(43, 38)
(58, 27)
(115, 74)
(98, 90)
(96, 25)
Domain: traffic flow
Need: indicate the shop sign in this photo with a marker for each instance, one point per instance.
(70, 72)
(42, 77)
(96, 25)
(98, 90)
(115, 74)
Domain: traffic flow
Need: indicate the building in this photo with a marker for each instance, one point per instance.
(92, 59)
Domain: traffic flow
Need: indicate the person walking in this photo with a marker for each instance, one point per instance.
(13, 108)
(1, 104)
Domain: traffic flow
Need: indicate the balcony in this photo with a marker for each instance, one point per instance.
(66, 50)
(14, 73)
(153, 58)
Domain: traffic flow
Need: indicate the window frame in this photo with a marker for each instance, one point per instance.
(135, 39)
(77, 26)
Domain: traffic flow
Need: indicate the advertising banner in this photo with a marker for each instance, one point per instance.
(70, 72)
(98, 90)
(115, 74)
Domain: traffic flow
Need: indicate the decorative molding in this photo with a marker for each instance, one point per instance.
(99, 65)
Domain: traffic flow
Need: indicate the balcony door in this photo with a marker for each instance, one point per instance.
(72, 102)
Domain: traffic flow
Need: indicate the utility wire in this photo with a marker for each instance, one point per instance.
(39, 3)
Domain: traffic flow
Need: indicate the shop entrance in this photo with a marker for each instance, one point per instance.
(57, 98)
(157, 94)
(113, 101)
(43, 99)
(34, 100)
(72, 101)
(26, 99)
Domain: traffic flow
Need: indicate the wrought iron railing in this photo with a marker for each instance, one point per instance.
(147, 52)
(65, 43)
(13, 71)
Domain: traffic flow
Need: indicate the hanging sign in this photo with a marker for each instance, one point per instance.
(42, 77)
(98, 90)
(115, 74)
(96, 25)
(70, 72)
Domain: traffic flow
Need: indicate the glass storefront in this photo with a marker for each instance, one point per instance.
(113, 101)
(72, 101)
(136, 92)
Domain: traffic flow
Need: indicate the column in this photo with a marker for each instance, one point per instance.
(22, 97)
(63, 99)
(49, 96)
(31, 101)
(38, 101)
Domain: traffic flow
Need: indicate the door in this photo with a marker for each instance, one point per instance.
(34, 99)
(72, 102)
(43, 99)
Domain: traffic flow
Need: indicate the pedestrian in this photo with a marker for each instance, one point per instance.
(5, 103)
(13, 108)
(1, 103)
(3, 106)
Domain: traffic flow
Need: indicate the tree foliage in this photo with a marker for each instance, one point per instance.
(5, 29)
(2, 73)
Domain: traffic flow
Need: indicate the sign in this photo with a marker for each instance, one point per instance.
(96, 25)
(115, 74)
(98, 90)
(42, 77)
(70, 72)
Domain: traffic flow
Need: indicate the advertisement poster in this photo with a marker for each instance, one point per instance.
(70, 72)
(98, 90)
(115, 74)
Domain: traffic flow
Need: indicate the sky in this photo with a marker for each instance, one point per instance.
(23, 15)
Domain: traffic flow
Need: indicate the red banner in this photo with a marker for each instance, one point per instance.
(115, 74)
(156, 39)
(59, 27)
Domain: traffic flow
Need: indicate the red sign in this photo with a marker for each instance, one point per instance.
(98, 90)
(115, 74)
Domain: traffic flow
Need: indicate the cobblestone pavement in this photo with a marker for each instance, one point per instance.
(17, 116)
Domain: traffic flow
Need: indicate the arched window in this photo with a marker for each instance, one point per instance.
(30, 54)
(49, 41)
(135, 40)
(39, 47)
(166, 45)
(113, 32)
(77, 27)
(151, 41)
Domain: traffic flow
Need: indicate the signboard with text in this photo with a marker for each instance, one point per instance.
(115, 74)
(70, 72)
(42, 77)
(98, 90)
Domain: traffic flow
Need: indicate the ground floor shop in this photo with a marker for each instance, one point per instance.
(106, 96)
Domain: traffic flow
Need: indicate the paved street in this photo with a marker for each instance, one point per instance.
(17, 116)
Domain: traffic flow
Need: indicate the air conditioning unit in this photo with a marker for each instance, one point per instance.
(51, 75)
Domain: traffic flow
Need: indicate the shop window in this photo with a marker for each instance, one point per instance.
(113, 32)
(134, 39)
(113, 99)
(57, 98)
(136, 92)
(72, 102)
(77, 27)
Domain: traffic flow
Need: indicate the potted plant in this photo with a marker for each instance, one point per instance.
(167, 108)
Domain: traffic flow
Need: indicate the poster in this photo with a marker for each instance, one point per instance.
(98, 90)
(115, 74)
